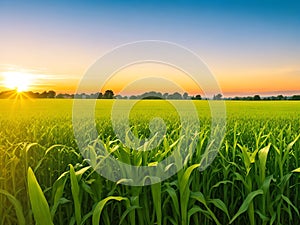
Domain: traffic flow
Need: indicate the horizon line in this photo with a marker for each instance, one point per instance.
(224, 94)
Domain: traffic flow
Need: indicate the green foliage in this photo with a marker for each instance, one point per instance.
(255, 178)
(38, 201)
(17, 205)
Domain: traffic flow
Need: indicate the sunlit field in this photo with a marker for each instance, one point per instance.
(255, 178)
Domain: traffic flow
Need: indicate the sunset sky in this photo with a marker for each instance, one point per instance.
(252, 47)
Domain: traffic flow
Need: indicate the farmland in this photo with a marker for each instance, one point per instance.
(254, 179)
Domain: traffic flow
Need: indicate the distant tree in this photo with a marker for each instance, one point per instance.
(236, 98)
(94, 95)
(151, 95)
(51, 94)
(60, 96)
(43, 95)
(75, 96)
(109, 94)
(175, 95)
(217, 97)
(280, 97)
(198, 97)
(79, 96)
(118, 97)
(165, 95)
(185, 95)
(295, 97)
(256, 98)
(100, 96)
(31, 94)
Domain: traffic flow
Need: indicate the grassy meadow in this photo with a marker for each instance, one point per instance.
(254, 179)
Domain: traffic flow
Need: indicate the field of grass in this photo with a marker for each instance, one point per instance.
(254, 179)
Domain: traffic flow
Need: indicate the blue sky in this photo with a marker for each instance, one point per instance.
(240, 41)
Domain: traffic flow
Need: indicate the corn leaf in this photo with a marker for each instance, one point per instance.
(38, 201)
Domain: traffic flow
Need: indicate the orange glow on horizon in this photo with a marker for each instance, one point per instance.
(143, 77)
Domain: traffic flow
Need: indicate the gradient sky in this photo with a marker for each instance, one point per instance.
(252, 47)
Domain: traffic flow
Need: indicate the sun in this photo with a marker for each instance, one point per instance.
(17, 80)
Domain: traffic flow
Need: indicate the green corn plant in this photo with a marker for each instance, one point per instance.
(40, 207)
(246, 204)
(264, 183)
(248, 159)
(17, 205)
(253, 179)
(99, 207)
(184, 190)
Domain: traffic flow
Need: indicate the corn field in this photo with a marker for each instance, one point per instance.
(254, 179)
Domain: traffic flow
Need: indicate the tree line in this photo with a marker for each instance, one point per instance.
(268, 98)
(159, 95)
(109, 94)
(28, 94)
